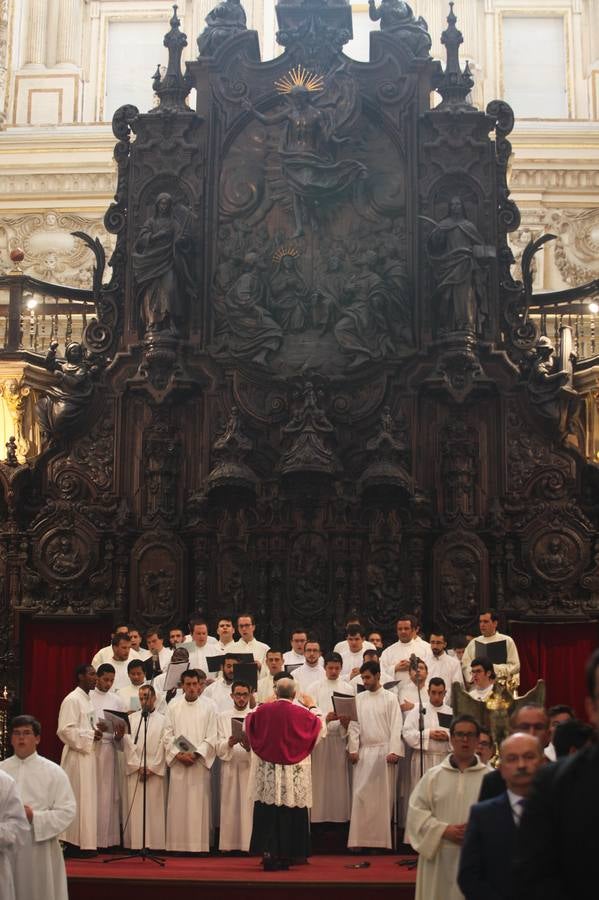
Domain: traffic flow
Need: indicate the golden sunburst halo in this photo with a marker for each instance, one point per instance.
(284, 251)
(300, 77)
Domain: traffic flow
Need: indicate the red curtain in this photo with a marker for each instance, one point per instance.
(557, 654)
(51, 651)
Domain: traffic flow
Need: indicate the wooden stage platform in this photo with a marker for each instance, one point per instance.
(242, 878)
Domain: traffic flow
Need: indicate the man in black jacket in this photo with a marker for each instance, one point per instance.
(557, 846)
(485, 861)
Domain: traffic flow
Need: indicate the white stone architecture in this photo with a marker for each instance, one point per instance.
(67, 65)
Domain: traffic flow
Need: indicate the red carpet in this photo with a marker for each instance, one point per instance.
(243, 878)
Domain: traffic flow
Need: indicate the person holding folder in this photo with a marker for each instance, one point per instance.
(499, 648)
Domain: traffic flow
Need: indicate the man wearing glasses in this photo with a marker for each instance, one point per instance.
(530, 719)
(438, 812)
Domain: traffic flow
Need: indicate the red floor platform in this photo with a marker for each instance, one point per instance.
(241, 878)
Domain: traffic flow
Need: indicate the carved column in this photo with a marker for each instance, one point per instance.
(36, 33)
(68, 47)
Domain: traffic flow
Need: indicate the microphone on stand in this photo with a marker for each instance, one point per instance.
(414, 662)
(155, 665)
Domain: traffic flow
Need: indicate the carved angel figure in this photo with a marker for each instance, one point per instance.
(65, 404)
(311, 136)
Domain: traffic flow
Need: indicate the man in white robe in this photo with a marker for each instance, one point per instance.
(331, 799)
(247, 643)
(295, 655)
(225, 631)
(13, 832)
(121, 646)
(220, 689)
(375, 747)
(483, 679)
(395, 659)
(435, 736)
(108, 774)
(199, 648)
(310, 672)
(274, 666)
(188, 823)
(49, 805)
(105, 654)
(153, 773)
(353, 657)
(438, 813)
(236, 805)
(130, 694)
(442, 665)
(342, 646)
(136, 647)
(488, 622)
(414, 687)
(367, 656)
(159, 656)
(77, 731)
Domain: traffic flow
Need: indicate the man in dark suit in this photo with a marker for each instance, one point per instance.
(485, 862)
(556, 856)
(530, 719)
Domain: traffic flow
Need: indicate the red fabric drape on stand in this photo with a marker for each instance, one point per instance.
(51, 651)
(556, 653)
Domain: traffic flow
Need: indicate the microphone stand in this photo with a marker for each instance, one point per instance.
(145, 852)
(420, 726)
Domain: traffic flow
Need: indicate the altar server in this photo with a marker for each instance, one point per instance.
(109, 793)
(77, 731)
(395, 659)
(438, 813)
(375, 747)
(331, 800)
(188, 824)
(435, 735)
(154, 774)
(510, 666)
(236, 805)
(49, 805)
(310, 672)
(13, 831)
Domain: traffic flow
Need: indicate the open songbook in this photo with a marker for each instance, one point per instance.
(345, 705)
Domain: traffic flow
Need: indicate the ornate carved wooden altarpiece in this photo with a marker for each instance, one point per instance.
(312, 385)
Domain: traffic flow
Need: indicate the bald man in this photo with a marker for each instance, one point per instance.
(485, 863)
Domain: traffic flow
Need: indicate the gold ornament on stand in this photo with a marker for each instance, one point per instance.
(493, 713)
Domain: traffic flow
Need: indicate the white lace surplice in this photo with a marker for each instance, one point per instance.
(280, 785)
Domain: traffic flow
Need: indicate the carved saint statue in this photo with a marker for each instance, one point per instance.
(289, 296)
(245, 328)
(160, 268)
(550, 387)
(397, 18)
(455, 248)
(65, 404)
(362, 330)
(310, 139)
(222, 22)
